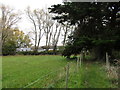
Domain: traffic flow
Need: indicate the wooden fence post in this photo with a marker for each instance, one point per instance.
(77, 64)
(107, 61)
(67, 75)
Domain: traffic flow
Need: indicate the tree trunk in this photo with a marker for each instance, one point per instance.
(99, 53)
(54, 49)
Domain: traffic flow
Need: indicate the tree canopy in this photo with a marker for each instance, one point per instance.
(98, 26)
(11, 36)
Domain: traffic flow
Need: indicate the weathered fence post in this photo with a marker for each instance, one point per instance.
(107, 61)
(83, 54)
(77, 64)
(67, 75)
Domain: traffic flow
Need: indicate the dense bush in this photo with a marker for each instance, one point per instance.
(9, 48)
(25, 53)
(50, 52)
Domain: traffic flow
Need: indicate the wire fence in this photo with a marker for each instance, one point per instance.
(43, 78)
(67, 76)
(59, 77)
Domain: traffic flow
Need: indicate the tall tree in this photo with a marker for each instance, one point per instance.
(67, 30)
(8, 19)
(49, 26)
(36, 17)
(97, 26)
(55, 36)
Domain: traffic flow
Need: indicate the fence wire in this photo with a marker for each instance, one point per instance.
(41, 78)
(56, 78)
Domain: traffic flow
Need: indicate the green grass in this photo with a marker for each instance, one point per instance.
(95, 76)
(19, 71)
(90, 75)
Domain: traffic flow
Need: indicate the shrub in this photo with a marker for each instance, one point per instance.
(9, 48)
(50, 52)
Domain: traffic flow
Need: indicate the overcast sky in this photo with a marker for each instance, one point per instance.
(21, 5)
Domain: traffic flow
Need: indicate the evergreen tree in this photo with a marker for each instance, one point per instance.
(98, 26)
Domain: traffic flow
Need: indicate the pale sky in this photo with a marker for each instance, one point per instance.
(21, 5)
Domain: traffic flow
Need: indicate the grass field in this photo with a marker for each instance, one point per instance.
(49, 72)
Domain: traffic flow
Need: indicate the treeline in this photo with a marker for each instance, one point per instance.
(44, 27)
(93, 26)
(50, 52)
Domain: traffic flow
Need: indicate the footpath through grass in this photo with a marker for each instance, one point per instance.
(90, 75)
(21, 71)
(94, 75)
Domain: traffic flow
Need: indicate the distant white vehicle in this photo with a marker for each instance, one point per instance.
(40, 50)
(50, 49)
(23, 49)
